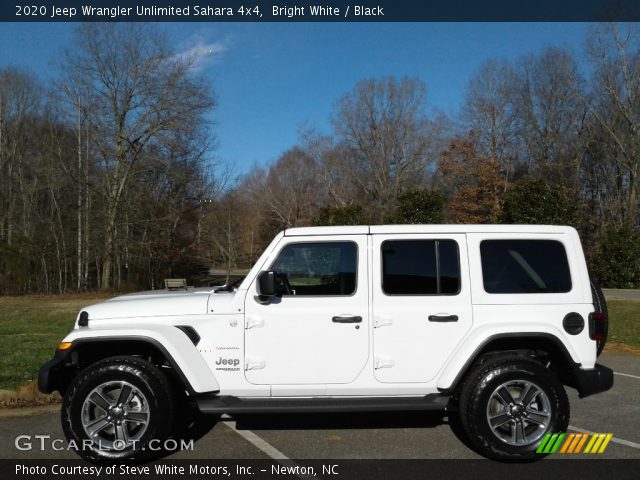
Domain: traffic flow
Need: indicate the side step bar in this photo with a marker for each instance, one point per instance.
(220, 404)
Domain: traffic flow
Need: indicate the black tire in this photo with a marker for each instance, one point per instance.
(149, 384)
(600, 305)
(188, 422)
(455, 424)
(477, 397)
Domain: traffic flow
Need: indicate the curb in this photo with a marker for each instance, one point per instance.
(28, 411)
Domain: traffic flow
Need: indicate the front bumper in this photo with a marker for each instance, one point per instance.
(53, 374)
(592, 380)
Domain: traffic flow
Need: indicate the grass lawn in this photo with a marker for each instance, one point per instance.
(31, 328)
(624, 323)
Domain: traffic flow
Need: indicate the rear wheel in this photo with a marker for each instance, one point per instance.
(507, 405)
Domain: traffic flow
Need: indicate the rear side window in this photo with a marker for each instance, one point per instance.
(524, 266)
(420, 267)
(322, 268)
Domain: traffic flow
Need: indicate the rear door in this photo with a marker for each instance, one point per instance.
(421, 303)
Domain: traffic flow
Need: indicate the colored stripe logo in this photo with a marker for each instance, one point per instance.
(592, 443)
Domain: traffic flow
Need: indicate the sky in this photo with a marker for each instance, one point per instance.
(271, 80)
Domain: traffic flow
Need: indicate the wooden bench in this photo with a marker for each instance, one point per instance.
(175, 283)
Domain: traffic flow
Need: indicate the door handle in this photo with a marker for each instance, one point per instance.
(346, 319)
(443, 318)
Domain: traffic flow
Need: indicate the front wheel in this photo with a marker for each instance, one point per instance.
(118, 410)
(508, 404)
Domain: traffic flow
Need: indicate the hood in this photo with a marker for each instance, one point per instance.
(158, 303)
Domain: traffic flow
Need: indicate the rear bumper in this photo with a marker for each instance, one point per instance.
(592, 380)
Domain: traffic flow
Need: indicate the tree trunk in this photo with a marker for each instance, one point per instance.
(632, 204)
(79, 206)
(107, 262)
(87, 205)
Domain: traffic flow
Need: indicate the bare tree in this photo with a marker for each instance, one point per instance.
(335, 185)
(384, 125)
(223, 226)
(71, 99)
(614, 102)
(141, 94)
(488, 114)
(550, 118)
(20, 102)
(292, 188)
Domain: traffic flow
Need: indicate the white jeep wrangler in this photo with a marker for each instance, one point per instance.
(487, 322)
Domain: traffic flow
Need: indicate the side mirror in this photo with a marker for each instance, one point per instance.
(266, 285)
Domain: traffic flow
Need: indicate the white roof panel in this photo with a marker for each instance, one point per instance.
(341, 230)
(430, 228)
(469, 229)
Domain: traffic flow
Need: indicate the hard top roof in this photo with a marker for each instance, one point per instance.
(430, 228)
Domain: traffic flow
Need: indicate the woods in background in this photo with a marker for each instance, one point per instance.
(107, 179)
(102, 173)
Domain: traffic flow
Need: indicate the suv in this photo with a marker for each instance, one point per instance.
(487, 322)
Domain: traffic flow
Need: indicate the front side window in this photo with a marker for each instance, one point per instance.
(322, 268)
(420, 267)
(525, 266)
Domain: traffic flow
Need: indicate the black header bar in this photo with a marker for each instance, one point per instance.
(329, 469)
(320, 11)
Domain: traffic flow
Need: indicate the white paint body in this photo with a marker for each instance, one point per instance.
(291, 347)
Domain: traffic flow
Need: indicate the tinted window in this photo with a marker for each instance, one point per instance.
(318, 268)
(524, 266)
(420, 267)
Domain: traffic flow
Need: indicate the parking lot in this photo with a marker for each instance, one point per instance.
(414, 435)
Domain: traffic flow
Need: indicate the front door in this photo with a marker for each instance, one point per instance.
(421, 304)
(316, 330)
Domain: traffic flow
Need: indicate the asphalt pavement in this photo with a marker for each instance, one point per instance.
(621, 294)
(415, 435)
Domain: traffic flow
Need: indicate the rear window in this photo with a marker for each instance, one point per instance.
(420, 267)
(524, 266)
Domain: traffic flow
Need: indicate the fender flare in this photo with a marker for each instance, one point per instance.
(450, 379)
(175, 346)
